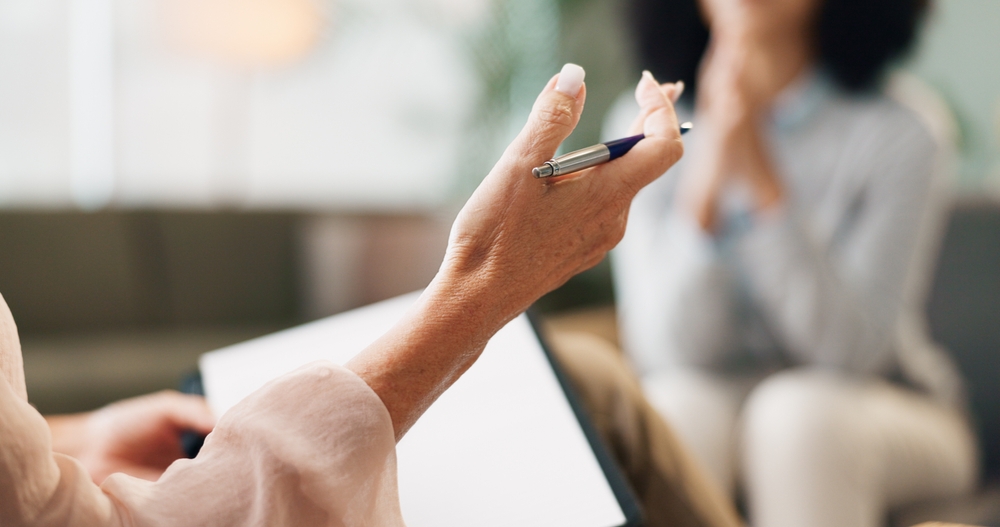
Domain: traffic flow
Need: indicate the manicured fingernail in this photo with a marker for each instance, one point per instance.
(678, 90)
(570, 79)
(647, 85)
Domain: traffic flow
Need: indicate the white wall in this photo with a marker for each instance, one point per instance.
(374, 116)
(959, 55)
(34, 102)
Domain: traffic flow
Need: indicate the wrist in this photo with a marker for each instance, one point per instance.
(768, 192)
(469, 303)
(428, 349)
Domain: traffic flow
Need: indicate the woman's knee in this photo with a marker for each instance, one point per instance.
(806, 451)
(702, 407)
(808, 418)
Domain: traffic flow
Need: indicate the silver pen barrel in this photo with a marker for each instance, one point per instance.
(573, 161)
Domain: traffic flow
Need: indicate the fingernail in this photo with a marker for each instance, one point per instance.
(647, 84)
(678, 90)
(570, 79)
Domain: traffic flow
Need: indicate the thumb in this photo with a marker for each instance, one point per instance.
(553, 116)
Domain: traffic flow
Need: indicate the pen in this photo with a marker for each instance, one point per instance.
(591, 156)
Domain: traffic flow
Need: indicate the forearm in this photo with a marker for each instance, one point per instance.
(835, 299)
(768, 190)
(698, 190)
(821, 317)
(430, 348)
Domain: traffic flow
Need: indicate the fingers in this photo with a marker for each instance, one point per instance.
(570, 79)
(553, 117)
(662, 146)
(186, 412)
(650, 94)
(673, 91)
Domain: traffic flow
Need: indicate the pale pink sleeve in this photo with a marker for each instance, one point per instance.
(38, 487)
(11, 366)
(314, 447)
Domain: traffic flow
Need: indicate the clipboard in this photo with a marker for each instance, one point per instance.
(508, 445)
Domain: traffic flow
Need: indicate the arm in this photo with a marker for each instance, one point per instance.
(318, 444)
(516, 239)
(839, 306)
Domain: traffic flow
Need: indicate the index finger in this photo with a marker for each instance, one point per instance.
(662, 146)
(673, 91)
(185, 411)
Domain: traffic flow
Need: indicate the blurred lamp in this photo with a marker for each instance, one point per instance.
(248, 33)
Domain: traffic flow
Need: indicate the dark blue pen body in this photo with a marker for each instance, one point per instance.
(620, 147)
(591, 156)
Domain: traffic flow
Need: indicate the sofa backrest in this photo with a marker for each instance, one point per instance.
(964, 314)
(73, 272)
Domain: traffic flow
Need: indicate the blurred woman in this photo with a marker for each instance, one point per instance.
(769, 286)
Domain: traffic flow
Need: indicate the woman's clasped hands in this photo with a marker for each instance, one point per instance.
(742, 73)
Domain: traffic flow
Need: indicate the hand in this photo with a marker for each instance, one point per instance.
(138, 436)
(516, 239)
(732, 103)
(519, 237)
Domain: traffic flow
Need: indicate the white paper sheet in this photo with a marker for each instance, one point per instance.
(500, 448)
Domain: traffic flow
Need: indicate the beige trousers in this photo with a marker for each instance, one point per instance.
(673, 488)
(818, 448)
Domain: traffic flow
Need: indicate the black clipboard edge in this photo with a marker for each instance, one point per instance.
(619, 485)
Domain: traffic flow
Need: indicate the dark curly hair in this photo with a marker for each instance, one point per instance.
(856, 39)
